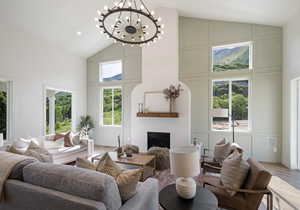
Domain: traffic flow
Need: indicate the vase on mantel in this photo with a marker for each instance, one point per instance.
(172, 105)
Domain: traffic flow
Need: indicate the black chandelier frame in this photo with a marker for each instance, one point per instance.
(132, 10)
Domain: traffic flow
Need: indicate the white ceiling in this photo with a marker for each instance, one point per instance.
(57, 21)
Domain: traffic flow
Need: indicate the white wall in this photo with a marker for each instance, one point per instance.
(131, 76)
(33, 64)
(159, 70)
(196, 38)
(291, 72)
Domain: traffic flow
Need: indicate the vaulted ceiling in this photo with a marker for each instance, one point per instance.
(58, 21)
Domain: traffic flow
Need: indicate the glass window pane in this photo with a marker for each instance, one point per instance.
(232, 57)
(240, 104)
(111, 71)
(63, 112)
(221, 105)
(3, 112)
(107, 106)
(117, 106)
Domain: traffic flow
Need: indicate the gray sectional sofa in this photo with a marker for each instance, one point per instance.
(45, 186)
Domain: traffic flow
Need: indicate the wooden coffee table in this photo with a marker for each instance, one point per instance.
(146, 162)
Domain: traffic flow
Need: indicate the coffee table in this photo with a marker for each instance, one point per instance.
(146, 162)
(204, 199)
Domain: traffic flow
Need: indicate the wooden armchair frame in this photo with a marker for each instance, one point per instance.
(247, 191)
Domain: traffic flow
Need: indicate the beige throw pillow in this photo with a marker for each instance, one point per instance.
(127, 183)
(108, 166)
(234, 171)
(83, 163)
(127, 180)
(39, 153)
(222, 151)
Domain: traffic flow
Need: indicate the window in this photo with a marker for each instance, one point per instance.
(230, 101)
(110, 71)
(232, 57)
(3, 109)
(112, 106)
(58, 111)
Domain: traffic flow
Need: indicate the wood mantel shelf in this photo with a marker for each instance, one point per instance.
(159, 114)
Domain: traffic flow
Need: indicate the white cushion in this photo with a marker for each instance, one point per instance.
(59, 143)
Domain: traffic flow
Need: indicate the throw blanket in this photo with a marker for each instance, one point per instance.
(7, 163)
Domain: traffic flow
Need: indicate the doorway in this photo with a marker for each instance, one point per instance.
(58, 110)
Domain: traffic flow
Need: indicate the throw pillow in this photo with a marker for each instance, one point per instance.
(75, 138)
(234, 171)
(108, 166)
(222, 151)
(127, 180)
(39, 153)
(58, 136)
(68, 140)
(21, 143)
(127, 183)
(83, 163)
(222, 141)
(12, 149)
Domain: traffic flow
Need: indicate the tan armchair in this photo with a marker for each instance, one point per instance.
(249, 196)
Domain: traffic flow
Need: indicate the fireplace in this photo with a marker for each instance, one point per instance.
(158, 139)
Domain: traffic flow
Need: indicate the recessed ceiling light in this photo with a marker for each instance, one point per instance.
(79, 33)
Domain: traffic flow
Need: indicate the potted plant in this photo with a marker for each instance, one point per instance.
(85, 126)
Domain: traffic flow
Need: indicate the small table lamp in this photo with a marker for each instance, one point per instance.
(184, 162)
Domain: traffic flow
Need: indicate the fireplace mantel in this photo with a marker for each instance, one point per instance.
(159, 114)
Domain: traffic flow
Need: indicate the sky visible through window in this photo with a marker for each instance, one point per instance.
(111, 71)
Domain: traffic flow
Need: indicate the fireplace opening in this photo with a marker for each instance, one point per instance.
(158, 139)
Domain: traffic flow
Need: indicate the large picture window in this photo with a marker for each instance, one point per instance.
(112, 106)
(230, 101)
(110, 71)
(232, 57)
(58, 111)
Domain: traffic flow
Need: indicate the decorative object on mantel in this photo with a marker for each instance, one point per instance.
(140, 108)
(1, 140)
(171, 94)
(129, 22)
(85, 126)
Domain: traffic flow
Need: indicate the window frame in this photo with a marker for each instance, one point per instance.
(109, 62)
(102, 107)
(250, 43)
(230, 80)
(9, 109)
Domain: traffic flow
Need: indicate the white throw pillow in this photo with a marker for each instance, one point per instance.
(21, 143)
(75, 138)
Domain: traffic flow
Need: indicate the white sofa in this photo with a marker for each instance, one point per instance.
(63, 155)
(60, 154)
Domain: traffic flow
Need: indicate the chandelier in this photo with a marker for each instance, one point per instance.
(129, 22)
